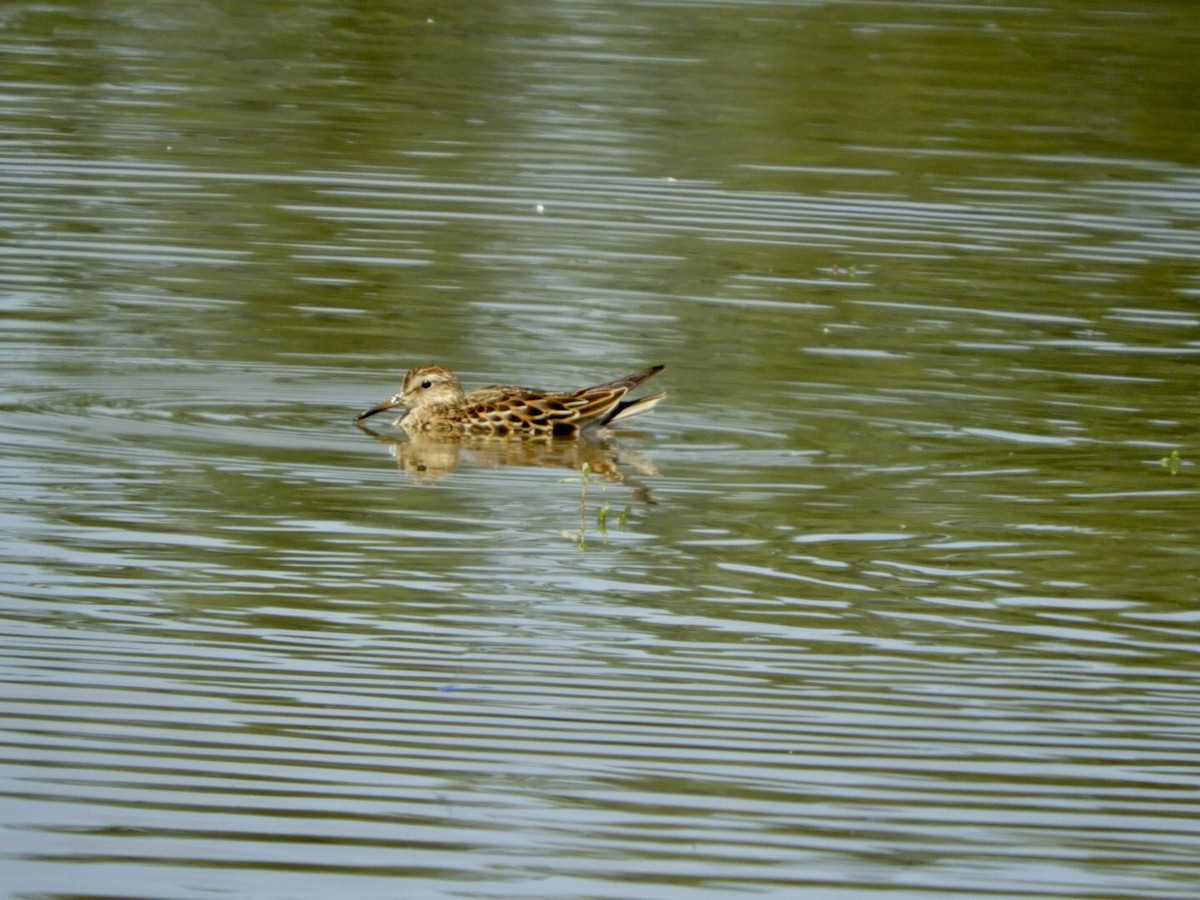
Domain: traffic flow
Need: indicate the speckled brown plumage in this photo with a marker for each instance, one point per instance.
(434, 403)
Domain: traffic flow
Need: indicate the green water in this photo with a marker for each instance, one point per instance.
(893, 596)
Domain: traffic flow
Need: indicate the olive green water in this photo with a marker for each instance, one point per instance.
(897, 594)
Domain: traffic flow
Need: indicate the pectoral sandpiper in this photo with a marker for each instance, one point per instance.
(434, 403)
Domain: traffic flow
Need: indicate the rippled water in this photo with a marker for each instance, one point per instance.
(896, 594)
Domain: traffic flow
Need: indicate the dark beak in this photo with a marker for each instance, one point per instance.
(389, 403)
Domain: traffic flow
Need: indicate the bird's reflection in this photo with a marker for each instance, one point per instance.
(426, 460)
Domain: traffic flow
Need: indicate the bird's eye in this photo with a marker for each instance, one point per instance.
(427, 384)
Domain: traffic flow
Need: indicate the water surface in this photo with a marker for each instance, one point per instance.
(896, 594)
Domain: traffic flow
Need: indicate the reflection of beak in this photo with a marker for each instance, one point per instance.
(389, 403)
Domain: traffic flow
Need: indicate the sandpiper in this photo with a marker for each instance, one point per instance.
(434, 403)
